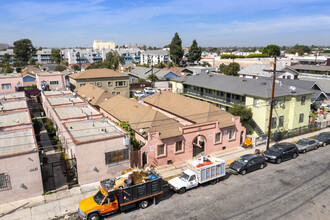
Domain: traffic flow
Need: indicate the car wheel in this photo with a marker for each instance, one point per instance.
(243, 172)
(324, 144)
(144, 204)
(304, 151)
(94, 216)
(315, 148)
(182, 190)
(214, 182)
(262, 166)
(294, 156)
(279, 160)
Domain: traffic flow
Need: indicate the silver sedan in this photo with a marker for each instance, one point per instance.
(305, 145)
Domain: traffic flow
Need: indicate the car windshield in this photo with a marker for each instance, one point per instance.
(276, 149)
(302, 142)
(98, 198)
(322, 135)
(184, 176)
(241, 161)
(138, 92)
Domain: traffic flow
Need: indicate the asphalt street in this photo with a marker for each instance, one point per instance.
(294, 189)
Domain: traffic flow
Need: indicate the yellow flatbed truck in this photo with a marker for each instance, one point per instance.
(108, 200)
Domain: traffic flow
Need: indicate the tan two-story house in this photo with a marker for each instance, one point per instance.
(114, 82)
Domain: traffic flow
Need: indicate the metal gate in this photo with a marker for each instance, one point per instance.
(58, 175)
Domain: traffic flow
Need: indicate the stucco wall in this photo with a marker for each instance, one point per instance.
(21, 169)
(12, 81)
(60, 78)
(92, 155)
(123, 90)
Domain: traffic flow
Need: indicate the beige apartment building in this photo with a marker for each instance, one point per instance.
(114, 82)
(98, 45)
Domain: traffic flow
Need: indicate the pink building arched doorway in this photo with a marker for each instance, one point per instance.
(199, 145)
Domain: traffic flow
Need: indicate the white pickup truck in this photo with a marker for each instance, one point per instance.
(199, 171)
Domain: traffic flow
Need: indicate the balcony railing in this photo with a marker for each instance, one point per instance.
(211, 97)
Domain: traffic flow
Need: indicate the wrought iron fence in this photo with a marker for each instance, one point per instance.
(281, 135)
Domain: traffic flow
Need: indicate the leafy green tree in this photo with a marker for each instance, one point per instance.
(245, 114)
(65, 62)
(206, 64)
(23, 50)
(113, 60)
(7, 69)
(195, 52)
(6, 58)
(230, 69)
(18, 69)
(55, 56)
(96, 65)
(77, 68)
(140, 80)
(152, 77)
(299, 48)
(176, 52)
(125, 125)
(272, 50)
(60, 68)
(160, 65)
(32, 61)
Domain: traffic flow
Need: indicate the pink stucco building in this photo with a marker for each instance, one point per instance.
(173, 128)
(87, 136)
(52, 80)
(11, 82)
(20, 174)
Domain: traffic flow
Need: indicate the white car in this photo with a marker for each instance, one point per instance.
(326, 106)
(149, 90)
(138, 94)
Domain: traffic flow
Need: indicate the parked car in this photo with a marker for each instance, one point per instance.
(247, 163)
(148, 89)
(326, 106)
(323, 138)
(280, 152)
(149, 93)
(305, 145)
(139, 94)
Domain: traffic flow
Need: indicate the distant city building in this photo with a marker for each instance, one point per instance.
(83, 56)
(255, 71)
(98, 44)
(154, 57)
(130, 54)
(3, 46)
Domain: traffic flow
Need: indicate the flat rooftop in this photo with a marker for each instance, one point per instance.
(18, 141)
(57, 92)
(4, 75)
(12, 105)
(14, 118)
(64, 100)
(49, 73)
(76, 111)
(93, 130)
(13, 95)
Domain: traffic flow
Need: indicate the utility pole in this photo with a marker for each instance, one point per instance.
(272, 102)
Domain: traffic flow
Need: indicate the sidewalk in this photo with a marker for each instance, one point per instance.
(48, 206)
(66, 201)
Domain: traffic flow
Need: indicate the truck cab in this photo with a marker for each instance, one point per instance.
(186, 180)
(100, 204)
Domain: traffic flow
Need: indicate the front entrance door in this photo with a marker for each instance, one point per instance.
(198, 146)
(144, 159)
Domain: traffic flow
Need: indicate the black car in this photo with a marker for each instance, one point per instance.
(323, 138)
(247, 163)
(280, 152)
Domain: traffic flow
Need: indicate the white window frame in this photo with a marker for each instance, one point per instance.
(232, 133)
(215, 137)
(159, 154)
(6, 86)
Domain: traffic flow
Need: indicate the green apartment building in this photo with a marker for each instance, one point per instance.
(291, 105)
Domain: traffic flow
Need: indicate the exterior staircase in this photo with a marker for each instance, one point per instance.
(256, 127)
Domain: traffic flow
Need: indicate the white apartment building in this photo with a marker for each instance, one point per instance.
(155, 56)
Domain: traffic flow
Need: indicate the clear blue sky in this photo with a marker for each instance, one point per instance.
(52, 23)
